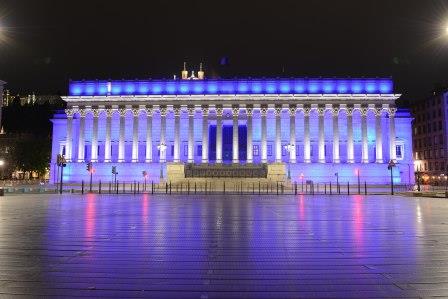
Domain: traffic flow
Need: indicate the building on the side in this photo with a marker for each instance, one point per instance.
(318, 128)
(430, 137)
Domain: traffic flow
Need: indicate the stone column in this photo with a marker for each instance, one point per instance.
(121, 144)
(392, 136)
(135, 113)
(365, 145)
(321, 113)
(219, 111)
(306, 133)
(250, 151)
(264, 143)
(235, 150)
(176, 134)
(148, 149)
(107, 142)
(191, 111)
(350, 144)
(336, 156)
(163, 145)
(69, 137)
(94, 145)
(292, 134)
(81, 137)
(278, 134)
(205, 110)
(379, 135)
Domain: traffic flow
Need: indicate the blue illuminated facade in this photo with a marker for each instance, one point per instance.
(342, 126)
(224, 87)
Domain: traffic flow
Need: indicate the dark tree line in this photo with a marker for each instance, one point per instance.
(28, 127)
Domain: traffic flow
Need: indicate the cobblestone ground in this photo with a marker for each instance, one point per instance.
(223, 246)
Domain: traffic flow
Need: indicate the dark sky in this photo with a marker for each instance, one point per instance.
(48, 42)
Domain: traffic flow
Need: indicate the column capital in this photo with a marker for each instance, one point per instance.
(176, 111)
(321, 110)
(205, 110)
(392, 111)
(264, 110)
(235, 110)
(349, 110)
(149, 110)
(335, 111)
(292, 110)
(163, 110)
(378, 111)
(122, 111)
(95, 112)
(109, 112)
(278, 110)
(82, 112)
(69, 112)
(191, 110)
(135, 111)
(363, 110)
(306, 110)
(219, 110)
(249, 110)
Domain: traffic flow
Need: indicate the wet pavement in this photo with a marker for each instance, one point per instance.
(158, 246)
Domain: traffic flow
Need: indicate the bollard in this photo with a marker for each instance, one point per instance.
(82, 187)
(339, 188)
(295, 188)
(195, 188)
(166, 188)
(181, 186)
(224, 187)
(277, 188)
(205, 189)
(325, 188)
(99, 188)
(348, 188)
(117, 187)
(365, 188)
(331, 191)
(253, 188)
(306, 188)
(138, 187)
(124, 187)
(188, 187)
(259, 188)
(110, 187)
(317, 187)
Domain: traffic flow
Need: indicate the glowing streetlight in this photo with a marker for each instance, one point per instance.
(1, 161)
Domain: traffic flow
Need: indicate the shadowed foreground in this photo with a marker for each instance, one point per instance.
(223, 247)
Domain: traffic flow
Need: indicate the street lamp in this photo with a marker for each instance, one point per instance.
(289, 148)
(391, 166)
(161, 147)
(2, 163)
(337, 182)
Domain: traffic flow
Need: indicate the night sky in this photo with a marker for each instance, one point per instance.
(45, 43)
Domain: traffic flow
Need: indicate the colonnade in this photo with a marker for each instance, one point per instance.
(236, 112)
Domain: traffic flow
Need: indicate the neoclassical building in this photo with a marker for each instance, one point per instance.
(315, 127)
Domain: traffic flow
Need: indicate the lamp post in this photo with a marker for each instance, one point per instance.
(391, 166)
(337, 181)
(289, 148)
(61, 162)
(161, 147)
(145, 175)
(301, 176)
(418, 173)
(2, 163)
(114, 172)
(359, 181)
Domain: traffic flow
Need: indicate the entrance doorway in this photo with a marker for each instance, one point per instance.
(227, 143)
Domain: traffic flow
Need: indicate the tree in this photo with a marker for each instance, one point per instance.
(32, 155)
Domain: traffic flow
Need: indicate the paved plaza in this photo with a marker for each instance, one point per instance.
(159, 246)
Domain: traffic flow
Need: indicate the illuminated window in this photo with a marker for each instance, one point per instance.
(270, 150)
(256, 150)
(186, 150)
(199, 150)
(399, 151)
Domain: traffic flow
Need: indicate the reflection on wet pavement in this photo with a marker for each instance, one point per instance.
(223, 246)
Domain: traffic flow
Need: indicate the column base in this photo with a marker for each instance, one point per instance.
(307, 161)
(249, 161)
(264, 161)
(365, 161)
(107, 160)
(134, 160)
(350, 161)
(81, 161)
(218, 161)
(337, 161)
(190, 161)
(379, 161)
(322, 161)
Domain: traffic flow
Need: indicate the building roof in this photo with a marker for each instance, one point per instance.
(237, 86)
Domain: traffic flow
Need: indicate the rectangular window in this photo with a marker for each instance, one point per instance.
(399, 151)
(172, 150)
(256, 150)
(284, 151)
(199, 150)
(269, 150)
(63, 150)
(186, 150)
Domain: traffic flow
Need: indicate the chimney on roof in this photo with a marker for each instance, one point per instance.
(184, 73)
(201, 73)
